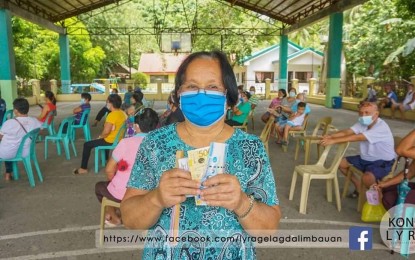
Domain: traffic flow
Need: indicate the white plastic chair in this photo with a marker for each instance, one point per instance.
(318, 171)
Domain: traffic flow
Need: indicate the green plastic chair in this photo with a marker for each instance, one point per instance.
(50, 127)
(100, 150)
(64, 138)
(7, 115)
(85, 127)
(32, 135)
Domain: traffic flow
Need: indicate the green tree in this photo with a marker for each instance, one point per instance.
(139, 79)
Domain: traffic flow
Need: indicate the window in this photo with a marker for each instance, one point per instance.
(237, 77)
(261, 76)
(243, 79)
(302, 76)
(157, 78)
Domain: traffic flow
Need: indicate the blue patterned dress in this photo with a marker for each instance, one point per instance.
(246, 159)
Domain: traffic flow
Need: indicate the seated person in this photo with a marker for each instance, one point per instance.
(407, 104)
(389, 188)
(137, 101)
(295, 122)
(79, 110)
(114, 121)
(129, 123)
(12, 132)
(173, 112)
(254, 99)
(143, 99)
(240, 112)
(104, 110)
(371, 94)
(50, 105)
(274, 104)
(121, 163)
(300, 98)
(377, 153)
(391, 98)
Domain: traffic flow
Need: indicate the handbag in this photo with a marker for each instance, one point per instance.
(373, 213)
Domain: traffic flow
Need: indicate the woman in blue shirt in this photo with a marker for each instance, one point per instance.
(240, 203)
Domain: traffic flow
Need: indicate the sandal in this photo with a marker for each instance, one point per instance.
(353, 195)
(76, 172)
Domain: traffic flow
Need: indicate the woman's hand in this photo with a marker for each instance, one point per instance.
(376, 186)
(223, 190)
(174, 185)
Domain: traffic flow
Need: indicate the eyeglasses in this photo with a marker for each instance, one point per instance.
(196, 89)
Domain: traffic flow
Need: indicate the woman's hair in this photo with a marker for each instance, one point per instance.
(147, 120)
(247, 94)
(21, 105)
(138, 96)
(172, 99)
(86, 95)
(49, 94)
(115, 100)
(228, 77)
(283, 91)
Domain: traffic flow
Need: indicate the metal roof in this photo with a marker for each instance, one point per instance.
(294, 13)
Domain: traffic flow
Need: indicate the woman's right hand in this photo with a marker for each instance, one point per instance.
(174, 185)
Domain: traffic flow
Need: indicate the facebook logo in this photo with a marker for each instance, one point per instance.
(360, 238)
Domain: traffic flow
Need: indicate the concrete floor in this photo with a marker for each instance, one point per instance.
(58, 218)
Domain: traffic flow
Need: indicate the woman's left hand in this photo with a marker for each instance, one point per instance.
(223, 190)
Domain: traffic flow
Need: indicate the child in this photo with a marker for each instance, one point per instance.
(295, 122)
(120, 164)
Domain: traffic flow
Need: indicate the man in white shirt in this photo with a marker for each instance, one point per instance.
(13, 130)
(407, 104)
(377, 152)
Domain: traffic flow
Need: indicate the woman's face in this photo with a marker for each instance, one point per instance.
(133, 101)
(244, 97)
(204, 73)
(280, 94)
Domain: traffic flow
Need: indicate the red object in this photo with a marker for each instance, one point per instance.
(122, 165)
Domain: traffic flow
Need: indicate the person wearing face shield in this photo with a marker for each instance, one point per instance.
(377, 152)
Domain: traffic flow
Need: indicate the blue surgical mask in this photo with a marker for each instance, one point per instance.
(252, 93)
(108, 106)
(241, 100)
(365, 120)
(292, 94)
(203, 109)
(82, 101)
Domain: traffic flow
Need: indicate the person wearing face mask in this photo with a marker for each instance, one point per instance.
(240, 112)
(104, 110)
(376, 146)
(284, 111)
(79, 110)
(240, 202)
(254, 99)
(114, 121)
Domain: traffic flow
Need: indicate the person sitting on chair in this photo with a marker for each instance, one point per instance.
(295, 122)
(13, 131)
(240, 112)
(121, 163)
(79, 111)
(377, 153)
(390, 99)
(114, 121)
(254, 99)
(389, 188)
(50, 105)
(407, 104)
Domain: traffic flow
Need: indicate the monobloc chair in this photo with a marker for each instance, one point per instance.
(7, 115)
(84, 124)
(362, 188)
(321, 129)
(26, 158)
(105, 203)
(300, 132)
(266, 132)
(100, 150)
(244, 126)
(318, 171)
(64, 138)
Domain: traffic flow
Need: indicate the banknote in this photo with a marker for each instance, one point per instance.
(198, 161)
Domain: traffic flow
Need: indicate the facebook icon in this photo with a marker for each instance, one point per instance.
(360, 238)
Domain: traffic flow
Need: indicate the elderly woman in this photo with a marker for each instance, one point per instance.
(114, 121)
(240, 203)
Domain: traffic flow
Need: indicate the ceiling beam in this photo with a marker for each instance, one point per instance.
(337, 7)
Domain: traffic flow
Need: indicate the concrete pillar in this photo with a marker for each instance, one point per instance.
(334, 57)
(366, 81)
(159, 90)
(294, 84)
(412, 80)
(267, 88)
(8, 83)
(312, 86)
(282, 82)
(36, 89)
(54, 86)
(65, 63)
(130, 82)
(107, 87)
